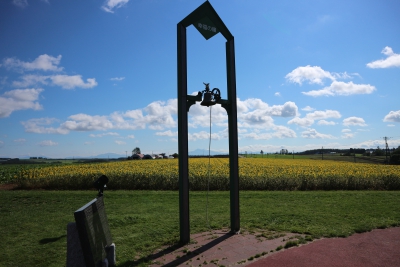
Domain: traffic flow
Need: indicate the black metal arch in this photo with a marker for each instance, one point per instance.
(207, 21)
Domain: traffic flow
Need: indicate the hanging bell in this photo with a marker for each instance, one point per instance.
(208, 99)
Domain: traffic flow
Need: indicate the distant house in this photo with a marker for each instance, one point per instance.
(147, 156)
(137, 156)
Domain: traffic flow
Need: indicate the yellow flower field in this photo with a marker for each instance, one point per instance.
(254, 174)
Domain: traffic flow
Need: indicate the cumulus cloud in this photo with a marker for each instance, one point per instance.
(313, 134)
(256, 113)
(46, 63)
(104, 134)
(308, 108)
(70, 82)
(276, 131)
(43, 62)
(19, 99)
(304, 122)
(392, 60)
(64, 81)
(131, 120)
(324, 122)
(167, 133)
(318, 115)
(347, 135)
(393, 116)
(316, 75)
(42, 126)
(313, 74)
(309, 119)
(354, 121)
(111, 5)
(342, 88)
(48, 143)
(203, 135)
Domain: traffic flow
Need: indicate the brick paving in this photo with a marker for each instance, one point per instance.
(220, 248)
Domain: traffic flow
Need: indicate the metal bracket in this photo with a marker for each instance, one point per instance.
(192, 99)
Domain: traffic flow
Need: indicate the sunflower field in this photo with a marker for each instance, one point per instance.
(254, 174)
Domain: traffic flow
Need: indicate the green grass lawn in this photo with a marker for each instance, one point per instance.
(33, 223)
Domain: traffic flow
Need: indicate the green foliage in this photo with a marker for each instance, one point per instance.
(136, 150)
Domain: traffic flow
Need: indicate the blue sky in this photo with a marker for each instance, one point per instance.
(82, 78)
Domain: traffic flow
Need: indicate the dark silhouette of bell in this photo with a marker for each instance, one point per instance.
(208, 99)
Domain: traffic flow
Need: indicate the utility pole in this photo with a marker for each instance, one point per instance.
(386, 149)
(322, 151)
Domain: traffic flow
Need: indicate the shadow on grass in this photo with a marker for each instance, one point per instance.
(172, 248)
(45, 241)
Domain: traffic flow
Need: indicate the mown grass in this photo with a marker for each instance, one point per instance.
(33, 223)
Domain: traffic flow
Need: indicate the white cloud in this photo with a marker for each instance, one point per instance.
(104, 134)
(203, 135)
(110, 5)
(346, 130)
(277, 94)
(354, 121)
(318, 115)
(347, 135)
(308, 108)
(43, 62)
(83, 122)
(20, 3)
(313, 74)
(304, 122)
(393, 116)
(70, 82)
(40, 126)
(324, 122)
(131, 136)
(392, 60)
(1, 143)
(119, 142)
(158, 115)
(19, 99)
(342, 88)
(48, 143)
(167, 133)
(278, 132)
(313, 134)
(117, 79)
(309, 119)
(65, 81)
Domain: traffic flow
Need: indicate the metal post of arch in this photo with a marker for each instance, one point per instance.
(206, 20)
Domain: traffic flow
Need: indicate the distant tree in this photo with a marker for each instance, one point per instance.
(136, 150)
(379, 152)
(262, 153)
(175, 155)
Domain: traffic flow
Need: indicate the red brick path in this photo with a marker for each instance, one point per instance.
(219, 248)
